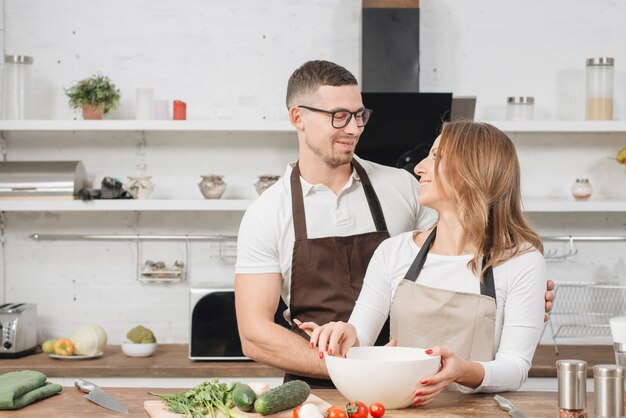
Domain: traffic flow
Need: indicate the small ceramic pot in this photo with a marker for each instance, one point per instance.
(264, 182)
(139, 187)
(581, 189)
(212, 186)
(93, 113)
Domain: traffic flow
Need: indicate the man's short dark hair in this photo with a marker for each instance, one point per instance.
(313, 74)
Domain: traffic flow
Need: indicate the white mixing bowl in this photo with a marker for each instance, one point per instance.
(388, 375)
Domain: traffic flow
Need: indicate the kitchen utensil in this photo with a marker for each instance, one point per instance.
(608, 383)
(509, 406)
(572, 387)
(99, 397)
(397, 370)
(18, 329)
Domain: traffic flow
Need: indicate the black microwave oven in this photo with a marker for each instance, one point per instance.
(213, 324)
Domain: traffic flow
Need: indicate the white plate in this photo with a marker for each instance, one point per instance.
(75, 357)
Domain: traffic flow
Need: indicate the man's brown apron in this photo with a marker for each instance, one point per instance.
(426, 317)
(327, 273)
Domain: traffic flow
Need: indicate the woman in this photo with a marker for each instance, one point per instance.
(472, 288)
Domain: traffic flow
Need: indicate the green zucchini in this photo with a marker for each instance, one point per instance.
(244, 397)
(283, 397)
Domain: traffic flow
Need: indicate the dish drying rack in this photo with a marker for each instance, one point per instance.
(583, 310)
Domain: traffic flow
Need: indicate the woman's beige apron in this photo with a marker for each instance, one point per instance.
(327, 273)
(425, 317)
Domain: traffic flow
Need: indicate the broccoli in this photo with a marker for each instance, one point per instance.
(141, 335)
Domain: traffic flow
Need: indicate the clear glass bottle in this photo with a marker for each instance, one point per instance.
(581, 189)
(520, 108)
(599, 76)
(16, 86)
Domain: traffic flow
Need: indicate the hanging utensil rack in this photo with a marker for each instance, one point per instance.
(172, 275)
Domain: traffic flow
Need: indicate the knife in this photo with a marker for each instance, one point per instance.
(99, 397)
(508, 406)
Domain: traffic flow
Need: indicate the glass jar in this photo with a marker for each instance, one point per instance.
(599, 88)
(16, 86)
(581, 189)
(520, 108)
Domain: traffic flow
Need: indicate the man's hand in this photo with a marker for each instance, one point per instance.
(549, 298)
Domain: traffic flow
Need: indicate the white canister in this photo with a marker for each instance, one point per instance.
(16, 86)
(520, 108)
(144, 103)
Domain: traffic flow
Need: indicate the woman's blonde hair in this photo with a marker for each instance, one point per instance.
(481, 166)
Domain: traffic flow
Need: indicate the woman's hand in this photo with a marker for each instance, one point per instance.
(453, 369)
(334, 338)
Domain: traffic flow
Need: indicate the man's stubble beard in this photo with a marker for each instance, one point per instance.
(330, 159)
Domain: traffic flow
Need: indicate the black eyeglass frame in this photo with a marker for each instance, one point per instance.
(332, 113)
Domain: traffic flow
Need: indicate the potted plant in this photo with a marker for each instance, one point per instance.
(96, 96)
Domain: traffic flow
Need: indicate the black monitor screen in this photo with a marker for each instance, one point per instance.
(403, 127)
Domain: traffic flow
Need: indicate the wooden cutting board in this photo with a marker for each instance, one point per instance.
(158, 409)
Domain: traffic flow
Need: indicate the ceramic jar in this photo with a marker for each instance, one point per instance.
(264, 182)
(139, 187)
(212, 186)
(582, 189)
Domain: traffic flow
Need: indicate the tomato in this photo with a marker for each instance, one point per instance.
(377, 410)
(356, 409)
(335, 412)
(296, 411)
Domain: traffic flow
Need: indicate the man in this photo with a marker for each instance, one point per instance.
(310, 236)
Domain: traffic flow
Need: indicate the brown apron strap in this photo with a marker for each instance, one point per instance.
(372, 199)
(297, 205)
(297, 201)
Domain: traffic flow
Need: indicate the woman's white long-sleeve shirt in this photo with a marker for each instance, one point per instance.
(520, 287)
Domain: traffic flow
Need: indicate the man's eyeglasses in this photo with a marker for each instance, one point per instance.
(341, 118)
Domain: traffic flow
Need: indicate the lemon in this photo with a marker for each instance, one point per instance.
(621, 155)
(48, 346)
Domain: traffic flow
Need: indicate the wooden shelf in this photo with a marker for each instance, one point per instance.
(146, 126)
(560, 126)
(233, 205)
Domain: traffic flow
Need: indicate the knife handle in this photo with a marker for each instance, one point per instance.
(85, 386)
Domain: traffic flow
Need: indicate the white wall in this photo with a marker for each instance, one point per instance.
(231, 60)
(495, 49)
(227, 60)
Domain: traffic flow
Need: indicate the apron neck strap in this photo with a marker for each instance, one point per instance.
(297, 201)
(487, 285)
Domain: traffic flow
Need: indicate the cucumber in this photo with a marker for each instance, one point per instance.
(244, 397)
(285, 396)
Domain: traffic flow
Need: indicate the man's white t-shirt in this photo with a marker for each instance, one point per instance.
(520, 285)
(266, 236)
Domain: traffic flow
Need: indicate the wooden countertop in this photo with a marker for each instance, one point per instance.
(71, 404)
(170, 360)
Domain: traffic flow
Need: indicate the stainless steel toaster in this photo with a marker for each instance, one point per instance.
(18, 329)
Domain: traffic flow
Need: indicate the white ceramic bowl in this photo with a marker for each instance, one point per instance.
(138, 350)
(388, 375)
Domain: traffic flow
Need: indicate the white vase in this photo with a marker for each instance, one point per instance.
(139, 187)
(212, 186)
(264, 182)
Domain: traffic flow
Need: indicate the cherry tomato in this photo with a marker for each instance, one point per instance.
(356, 409)
(296, 411)
(336, 412)
(377, 410)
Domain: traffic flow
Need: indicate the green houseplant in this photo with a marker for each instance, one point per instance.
(96, 95)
